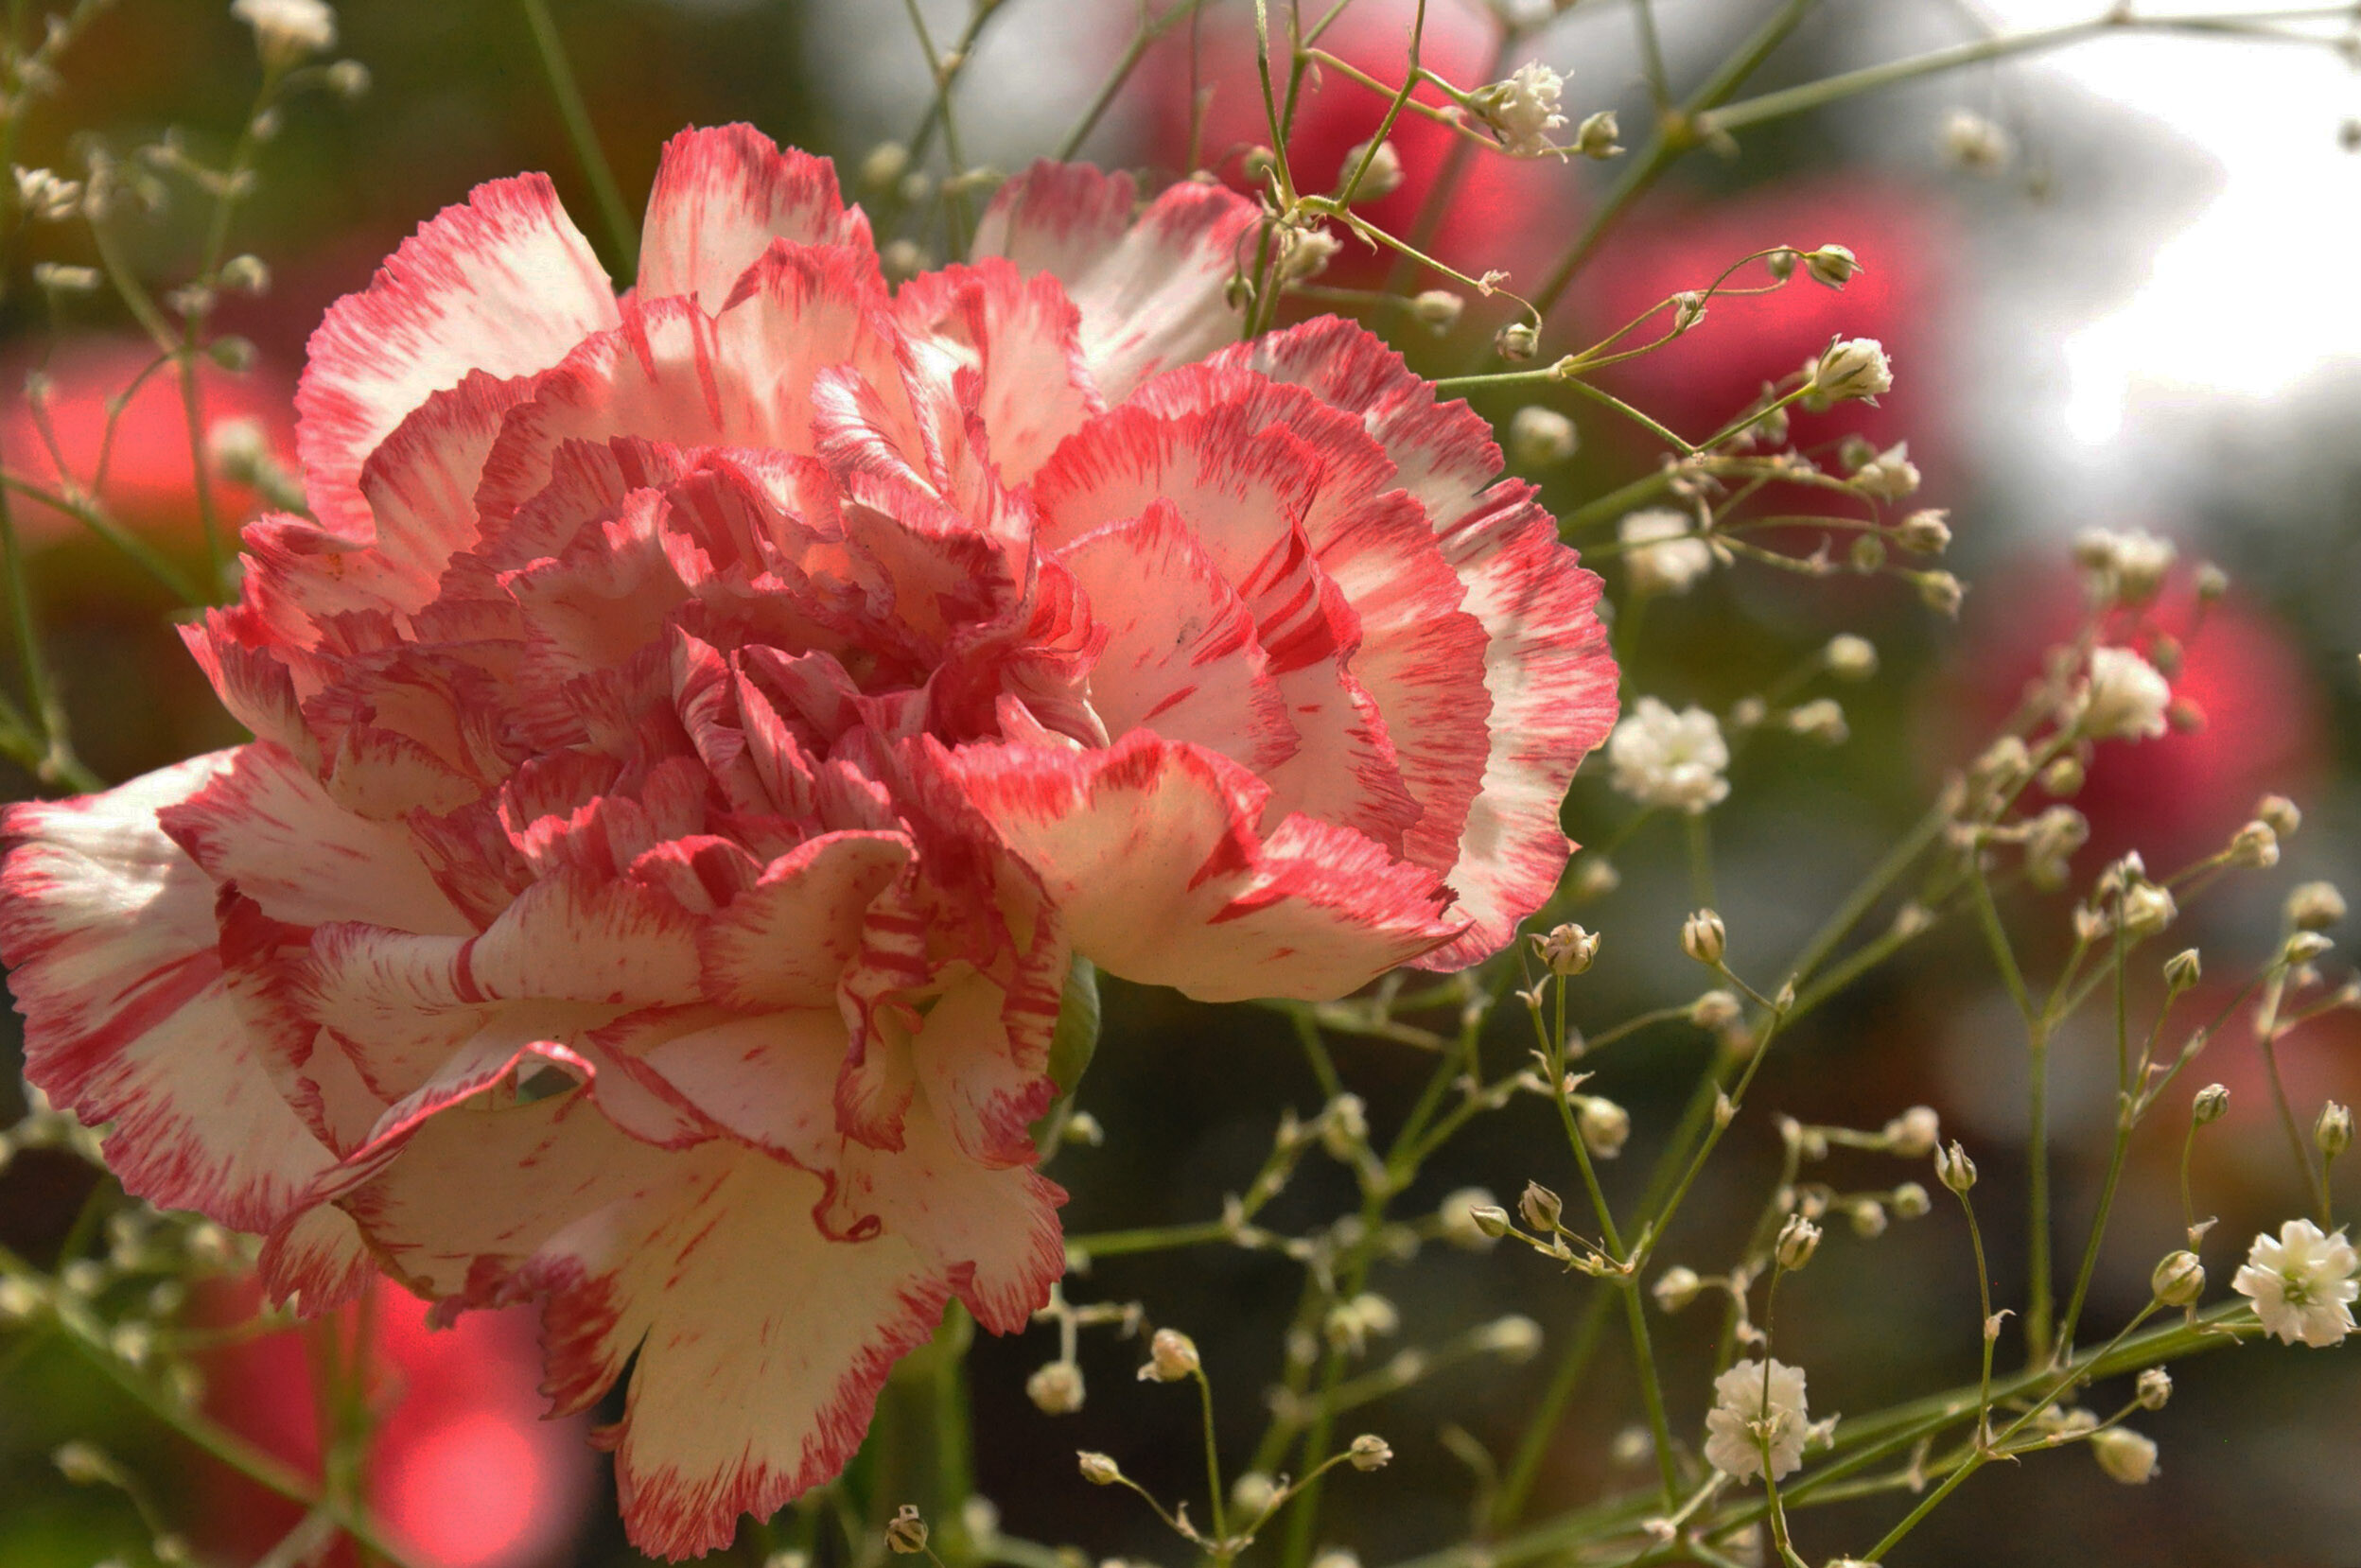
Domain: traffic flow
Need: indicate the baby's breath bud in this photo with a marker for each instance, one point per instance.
(1867, 1218)
(1490, 1218)
(1953, 1169)
(2141, 561)
(1540, 437)
(2314, 906)
(84, 1464)
(1849, 657)
(1852, 367)
(1867, 552)
(1676, 1287)
(2333, 1131)
(1056, 1389)
(20, 1298)
(247, 274)
(1370, 1451)
(2255, 846)
(1926, 532)
(348, 79)
(2281, 812)
(1171, 1356)
(1384, 176)
(1541, 1207)
(1567, 951)
(2183, 970)
(2147, 909)
(2154, 1387)
(2304, 947)
(1438, 308)
(1456, 1213)
(882, 169)
(1596, 137)
(1514, 1337)
(287, 32)
(1344, 1126)
(906, 1535)
(1518, 340)
(1714, 1010)
(2178, 1280)
(1595, 876)
(235, 355)
(1975, 143)
(1605, 1126)
(1781, 264)
(2209, 1104)
(2124, 1455)
(1909, 1201)
(1832, 264)
(1821, 720)
(1889, 475)
(1941, 592)
(1252, 1493)
(1332, 1557)
(1913, 1135)
(2063, 777)
(1704, 938)
(1798, 1239)
(1099, 1470)
(58, 277)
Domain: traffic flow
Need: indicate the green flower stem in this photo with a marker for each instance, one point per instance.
(95, 518)
(621, 232)
(1150, 29)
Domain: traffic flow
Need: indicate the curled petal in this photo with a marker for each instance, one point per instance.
(721, 195)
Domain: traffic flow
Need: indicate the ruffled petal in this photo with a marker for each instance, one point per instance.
(783, 942)
(1023, 338)
(1149, 853)
(721, 195)
(503, 284)
(108, 927)
(1152, 292)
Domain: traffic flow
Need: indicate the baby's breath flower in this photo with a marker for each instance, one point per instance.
(1524, 109)
(46, 197)
(2183, 970)
(2141, 560)
(1596, 137)
(2209, 1104)
(1385, 171)
(1458, 1212)
(1954, 1169)
(2124, 697)
(1171, 1356)
(1540, 437)
(1540, 1206)
(1798, 1239)
(1832, 264)
(1099, 1470)
(1664, 759)
(1756, 1402)
(1370, 1451)
(2332, 1132)
(1663, 553)
(1852, 367)
(1715, 1009)
(2124, 1455)
(2148, 909)
(1973, 141)
(1567, 950)
(2281, 812)
(1438, 308)
(1056, 1389)
(1605, 1126)
(2314, 906)
(2254, 846)
(1909, 1201)
(1914, 1133)
(2154, 1387)
(1676, 1287)
(1849, 657)
(1516, 1337)
(1821, 720)
(905, 1536)
(1889, 475)
(1926, 532)
(288, 31)
(1704, 938)
(2178, 1278)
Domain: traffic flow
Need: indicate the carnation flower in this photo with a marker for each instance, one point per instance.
(1663, 553)
(1749, 1400)
(2124, 699)
(702, 728)
(1660, 758)
(2302, 1284)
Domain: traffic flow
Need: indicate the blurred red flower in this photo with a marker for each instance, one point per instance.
(464, 1470)
(150, 483)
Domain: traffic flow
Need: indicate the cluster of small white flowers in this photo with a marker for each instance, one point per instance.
(2302, 1284)
(1664, 554)
(1525, 107)
(1975, 143)
(1660, 758)
(1751, 1401)
(288, 30)
(2124, 698)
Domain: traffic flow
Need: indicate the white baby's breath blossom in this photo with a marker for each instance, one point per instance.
(1975, 143)
(1660, 758)
(46, 195)
(1852, 367)
(1457, 1215)
(288, 30)
(1539, 437)
(2301, 1284)
(2124, 698)
(1663, 551)
(1524, 109)
(2124, 1455)
(1754, 1400)
(1889, 475)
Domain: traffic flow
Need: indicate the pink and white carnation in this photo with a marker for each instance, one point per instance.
(697, 730)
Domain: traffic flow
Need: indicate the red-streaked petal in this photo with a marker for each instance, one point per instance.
(721, 195)
(1149, 853)
(783, 942)
(1023, 337)
(504, 284)
(263, 823)
(109, 931)
(1154, 292)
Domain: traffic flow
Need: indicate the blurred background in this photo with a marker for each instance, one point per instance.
(2134, 311)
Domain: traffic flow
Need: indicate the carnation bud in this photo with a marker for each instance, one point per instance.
(1925, 532)
(2254, 846)
(2333, 1131)
(2209, 1104)
(2155, 1386)
(1490, 1218)
(2124, 1455)
(1171, 1356)
(1596, 137)
(1518, 340)
(2178, 1280)
(1383, 177)
(1852, 367)
(1605, 1126)
(1913, 1135)
(2314, 906)
(1541, 1207)
(1832, 264)
(1676, 1287)
(906, 1535)
(1438, 308)
(1099, 1470)
(1798, 1239)
(1909, 1201)
(1953, 1169)
(1456, 1213)
(1370, 1451)
(1056, 1389)
(1714, 1010)
(2063, 777)
(1850, 658)
(2183, 970)
(1540, 438)
(2281, 813)
(1704, 938)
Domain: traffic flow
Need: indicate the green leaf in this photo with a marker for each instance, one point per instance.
(1070, 1049)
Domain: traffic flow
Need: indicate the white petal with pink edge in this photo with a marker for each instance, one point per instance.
(721, 195)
